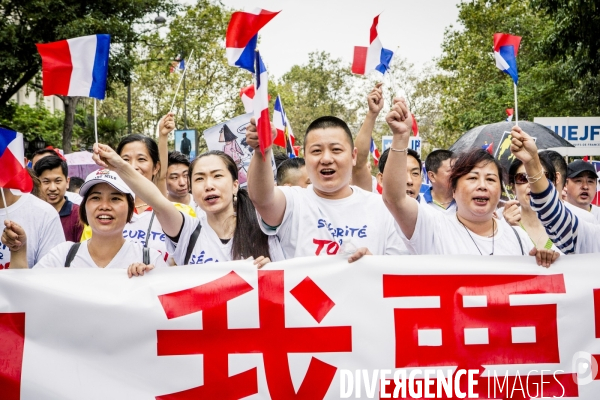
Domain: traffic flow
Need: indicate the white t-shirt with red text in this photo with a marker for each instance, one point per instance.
(313, 225)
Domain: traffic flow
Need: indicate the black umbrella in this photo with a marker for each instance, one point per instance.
(495, 138)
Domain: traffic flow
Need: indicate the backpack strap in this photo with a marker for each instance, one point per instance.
(519, 239)
(71, 254)
(146, 250)
(192, 243)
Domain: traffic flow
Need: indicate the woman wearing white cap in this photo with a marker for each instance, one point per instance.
(107, 206)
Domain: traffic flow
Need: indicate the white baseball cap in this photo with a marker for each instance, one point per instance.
(105, 176)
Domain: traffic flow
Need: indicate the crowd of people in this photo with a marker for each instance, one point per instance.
(146, 208)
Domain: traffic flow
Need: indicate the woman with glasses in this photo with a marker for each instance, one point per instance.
(527, 218)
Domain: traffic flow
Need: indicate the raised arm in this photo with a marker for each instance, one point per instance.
(403, 208)
(15, 239)
(268, 200)
(169, 217)
(361, 176)
(165, 127)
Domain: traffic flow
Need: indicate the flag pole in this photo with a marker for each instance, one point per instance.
(181, 79)
(516, 106)
(5, 203)
(95, 121)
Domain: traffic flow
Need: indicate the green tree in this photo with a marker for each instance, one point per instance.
(34, 122)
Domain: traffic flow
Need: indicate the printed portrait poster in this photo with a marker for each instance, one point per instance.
(185, 142)
(230, 137)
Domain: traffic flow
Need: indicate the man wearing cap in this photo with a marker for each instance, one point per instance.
(581, 186)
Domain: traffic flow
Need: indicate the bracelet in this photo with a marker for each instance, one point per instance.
(536, 177)
(399, 150)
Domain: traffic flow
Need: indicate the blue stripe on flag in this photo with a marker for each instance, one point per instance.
(260, 68)
(100, 71)
(384, 59)
(508, 54)
(246, 59)
(6, 136)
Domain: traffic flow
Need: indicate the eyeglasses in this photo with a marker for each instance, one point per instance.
(521, 178)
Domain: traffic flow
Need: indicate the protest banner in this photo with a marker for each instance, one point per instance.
(230, 137)
(307, 328)
(579, 131)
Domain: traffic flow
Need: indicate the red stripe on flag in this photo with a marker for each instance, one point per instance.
(280, 139)
(243, 26)
(12, 173)
(263, 126)
(374, 29)
(56, 67)
(12, 342)
(359, 62)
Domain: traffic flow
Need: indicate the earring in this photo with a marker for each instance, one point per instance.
(234, 205)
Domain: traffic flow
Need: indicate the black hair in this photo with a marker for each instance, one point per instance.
(286, 166)
(546, 164)
(410, 152)
(468, 160)
(42, 151)
(36, 183)
(83, 213)
(559, 163)
(51, 162)
(279, 158)
(329, 122)
(248, 239)
(434, 160)
(176, 157)
(75, 183)
(150, 144)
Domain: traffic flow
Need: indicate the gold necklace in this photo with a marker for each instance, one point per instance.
(141, 205)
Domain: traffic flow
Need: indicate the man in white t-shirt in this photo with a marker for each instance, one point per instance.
(329, 216)
(581, 187)
(40, 222)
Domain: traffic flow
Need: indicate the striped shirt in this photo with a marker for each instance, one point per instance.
(570, 234)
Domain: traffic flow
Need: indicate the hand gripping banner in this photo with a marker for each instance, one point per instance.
(310, 328)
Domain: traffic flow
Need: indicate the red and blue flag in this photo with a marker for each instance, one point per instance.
(506, 48)
(13, 174)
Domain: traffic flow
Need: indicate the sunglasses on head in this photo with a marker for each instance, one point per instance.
(521, 178)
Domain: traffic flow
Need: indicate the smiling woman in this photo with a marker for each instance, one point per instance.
(106, 207)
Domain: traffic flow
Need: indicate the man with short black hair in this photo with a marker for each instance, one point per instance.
(75, 183)
(438, 165)
(52, 172)
(178, 189)
(292, 172)
(581, 186)
(413, 170)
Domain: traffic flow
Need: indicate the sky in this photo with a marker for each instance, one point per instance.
(414, 30)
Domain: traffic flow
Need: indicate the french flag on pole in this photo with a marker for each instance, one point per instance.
(75, 67)
(506, 48)
(374, 152)
(261, 105)
(242, 35)
(285, 137)
(509, 113)
(374, 57)
(247, 95)
(13, 174)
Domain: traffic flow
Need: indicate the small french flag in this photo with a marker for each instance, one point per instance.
(261, 105)
(374, 57)
(509, 113)
(75, 67)
(506, 48)
(285, 136)
(242, 35)
(247, 96)
(374, 152)
(13, 174)
(415, 127)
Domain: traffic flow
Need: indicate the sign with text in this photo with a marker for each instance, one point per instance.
(307, 328)
(414, 143)
(579, 131)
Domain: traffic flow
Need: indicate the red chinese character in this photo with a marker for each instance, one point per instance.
(216, 341)
(12, 341)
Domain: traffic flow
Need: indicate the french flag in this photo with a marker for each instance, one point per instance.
(13, 174)
(261, 105)
(506, 48)
(415, 127)
(374, 57)
(488, 147)
(242, 35)
(285, 136)
(374, 152)
(75, 67)
(247, 96)
(509, 113)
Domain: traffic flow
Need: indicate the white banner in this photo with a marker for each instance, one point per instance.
(307, 328)
(579, 131)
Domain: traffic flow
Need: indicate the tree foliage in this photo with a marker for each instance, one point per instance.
(34, 122)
